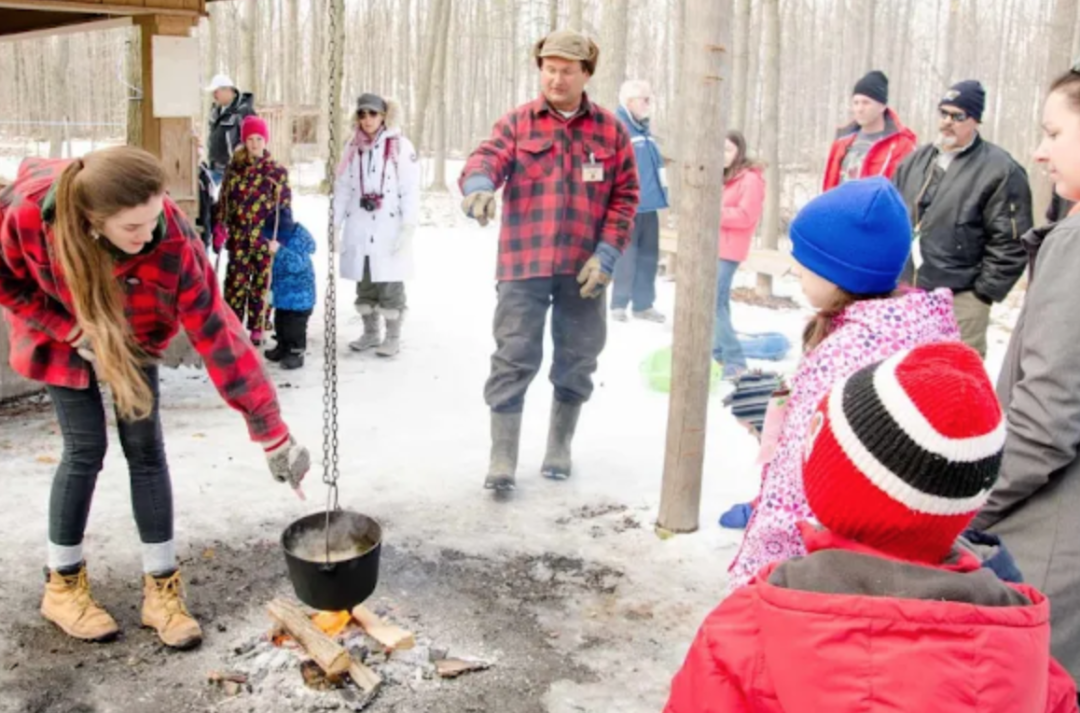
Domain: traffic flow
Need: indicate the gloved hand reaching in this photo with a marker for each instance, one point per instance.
(289, 461)
(404, 238)
(220, 237)
(480, 205)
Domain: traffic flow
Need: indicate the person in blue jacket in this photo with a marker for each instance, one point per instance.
(635, 273)
(292, 290)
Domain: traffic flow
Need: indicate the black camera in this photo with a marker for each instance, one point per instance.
(371, 202)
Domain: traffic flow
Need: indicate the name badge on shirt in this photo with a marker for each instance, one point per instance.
(592, 172)
(916, 250)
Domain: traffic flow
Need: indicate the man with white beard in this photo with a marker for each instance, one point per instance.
(970, 203)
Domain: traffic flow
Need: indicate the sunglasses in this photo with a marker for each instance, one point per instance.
(957, 117)
(365, 114)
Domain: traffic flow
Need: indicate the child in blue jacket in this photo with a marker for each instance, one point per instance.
(292, 292)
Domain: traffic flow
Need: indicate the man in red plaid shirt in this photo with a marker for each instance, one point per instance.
(570, 192)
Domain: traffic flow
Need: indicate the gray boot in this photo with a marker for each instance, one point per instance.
(564, 418)
(505, 436)
(370, 338)
(392, 344)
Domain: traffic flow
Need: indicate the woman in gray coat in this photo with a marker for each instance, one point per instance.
(1034, 506)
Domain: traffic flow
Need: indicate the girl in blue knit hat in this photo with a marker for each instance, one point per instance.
(851, 245)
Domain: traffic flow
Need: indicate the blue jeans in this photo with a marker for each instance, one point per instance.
(635, 273)
(726, 348)
(81, 415)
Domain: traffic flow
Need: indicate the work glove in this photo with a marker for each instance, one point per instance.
(81, 343)
(593, 278)
(289, 461)
(220, 237)
(404, 238)
(480, 205)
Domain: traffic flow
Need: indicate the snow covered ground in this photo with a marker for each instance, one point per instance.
(414, 442)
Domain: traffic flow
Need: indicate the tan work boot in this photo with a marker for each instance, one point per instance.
(68, 604)
(164, 610)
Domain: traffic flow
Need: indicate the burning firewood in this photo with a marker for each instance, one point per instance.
(392, 637)
(331, 656)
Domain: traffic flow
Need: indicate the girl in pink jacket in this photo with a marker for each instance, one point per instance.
(851, 245)
(744, 196)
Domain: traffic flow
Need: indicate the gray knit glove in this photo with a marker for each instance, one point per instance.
(289, 461)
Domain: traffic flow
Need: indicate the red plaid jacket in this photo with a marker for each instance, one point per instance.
(552, 218)
(170, 286)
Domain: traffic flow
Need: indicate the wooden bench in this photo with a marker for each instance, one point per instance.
(761, 260)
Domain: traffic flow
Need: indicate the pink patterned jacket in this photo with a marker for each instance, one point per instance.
(865, 333)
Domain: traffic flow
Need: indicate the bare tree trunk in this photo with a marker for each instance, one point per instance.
(441, 116)
(740, 43)
(291, 33)
(770, 132)
(577, 15)
(612, 68)
(553, 15)
(869, 10)
(435, 19)
(707, 39)
(679, 131)
(249, 76)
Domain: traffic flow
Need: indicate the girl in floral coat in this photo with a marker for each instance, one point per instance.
(851, 245)
(254, 187)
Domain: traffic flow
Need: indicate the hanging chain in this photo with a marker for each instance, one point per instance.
(330, 376)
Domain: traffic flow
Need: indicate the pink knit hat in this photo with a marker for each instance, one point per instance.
(254, 126)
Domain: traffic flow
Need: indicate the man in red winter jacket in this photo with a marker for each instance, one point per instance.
(885, 613)
(874, 143)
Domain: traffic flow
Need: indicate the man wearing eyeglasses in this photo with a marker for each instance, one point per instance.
(970, 203)
(569, 192)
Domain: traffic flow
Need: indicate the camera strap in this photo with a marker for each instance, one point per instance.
(387, 153)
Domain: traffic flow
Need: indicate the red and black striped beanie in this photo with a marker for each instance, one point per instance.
(903, 453)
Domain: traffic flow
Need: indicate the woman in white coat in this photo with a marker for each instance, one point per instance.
(377, 199)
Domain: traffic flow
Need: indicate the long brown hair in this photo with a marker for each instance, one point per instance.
(742, 158)
(822, 324)
(89, 191)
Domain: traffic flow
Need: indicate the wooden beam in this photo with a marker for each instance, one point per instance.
(171, 140)
(111, 23)
(109, 8)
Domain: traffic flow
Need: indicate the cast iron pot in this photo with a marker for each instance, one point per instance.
(333, 586)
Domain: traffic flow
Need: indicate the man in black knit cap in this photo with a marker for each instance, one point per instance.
(970, 204)
(875, 142)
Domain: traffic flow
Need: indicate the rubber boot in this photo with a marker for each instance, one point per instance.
(392, 343)
(564, 418)
(277, 353)
(505, 437)
(370, 338)
(164, 611)
(69, 604)
(293, 360)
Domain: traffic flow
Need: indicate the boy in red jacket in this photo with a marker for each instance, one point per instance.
(885, 613)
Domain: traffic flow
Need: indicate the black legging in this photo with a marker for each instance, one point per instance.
(82, 423)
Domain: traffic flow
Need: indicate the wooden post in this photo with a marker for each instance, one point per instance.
(171, 140)
(707, 37)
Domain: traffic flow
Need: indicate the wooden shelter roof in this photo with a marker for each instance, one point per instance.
(23, 18)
